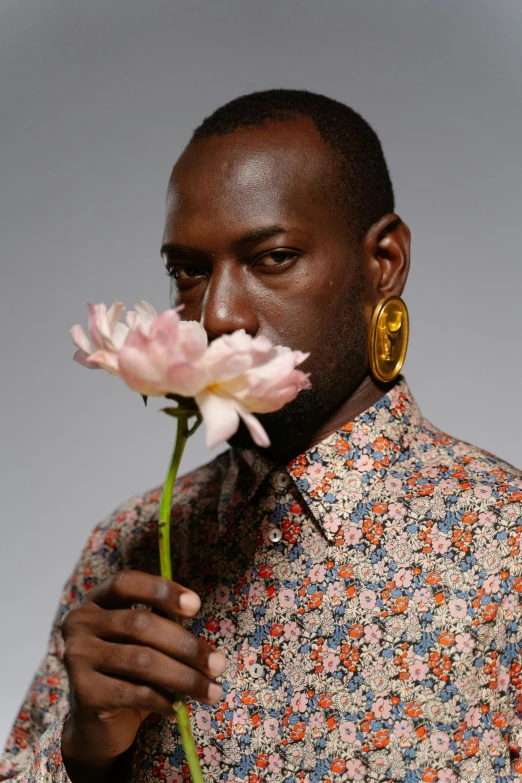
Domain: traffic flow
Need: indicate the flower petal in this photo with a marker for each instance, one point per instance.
(83, 358)
(220, 415)
(142, 365)
(255, 428)
(105, 360)
(193, 339)
(80, 339)
(185, 378)
(144, 315)
(99, 326)
(114, 314)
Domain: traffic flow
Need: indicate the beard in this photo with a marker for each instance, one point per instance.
(337, 370)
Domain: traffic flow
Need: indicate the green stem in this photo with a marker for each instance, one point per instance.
(180, 705)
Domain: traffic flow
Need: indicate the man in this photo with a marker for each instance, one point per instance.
(349, 596)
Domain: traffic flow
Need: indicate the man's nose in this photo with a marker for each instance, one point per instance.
(227, 305)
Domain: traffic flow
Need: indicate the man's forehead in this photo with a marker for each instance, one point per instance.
(261, 173)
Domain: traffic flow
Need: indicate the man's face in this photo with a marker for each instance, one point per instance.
(254, 239)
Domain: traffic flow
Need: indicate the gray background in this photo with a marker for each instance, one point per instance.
(97, 99)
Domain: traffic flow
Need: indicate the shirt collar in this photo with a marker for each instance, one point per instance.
(334, 475)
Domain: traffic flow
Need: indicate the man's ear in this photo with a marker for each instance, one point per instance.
(386, 254)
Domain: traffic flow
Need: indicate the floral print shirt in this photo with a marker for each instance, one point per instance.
(367, 595)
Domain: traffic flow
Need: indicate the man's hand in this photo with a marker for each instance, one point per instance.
(125, 663)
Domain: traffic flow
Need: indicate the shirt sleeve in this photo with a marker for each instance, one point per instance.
(32, 752)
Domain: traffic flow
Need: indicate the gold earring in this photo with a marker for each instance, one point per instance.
(388, 340)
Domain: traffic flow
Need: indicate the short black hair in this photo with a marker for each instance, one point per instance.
(366, 188)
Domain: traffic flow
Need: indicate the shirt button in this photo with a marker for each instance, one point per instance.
(281, 480)
(47, 778)
(275, 535)
(256, 670)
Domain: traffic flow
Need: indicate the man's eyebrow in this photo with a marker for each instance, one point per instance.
(185, 251)
(260, 233)
(180, 251)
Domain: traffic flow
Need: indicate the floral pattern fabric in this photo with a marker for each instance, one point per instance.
(374, 636)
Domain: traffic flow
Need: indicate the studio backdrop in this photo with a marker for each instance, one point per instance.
(97, 100)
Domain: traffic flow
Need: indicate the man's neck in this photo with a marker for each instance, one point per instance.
(366, 395)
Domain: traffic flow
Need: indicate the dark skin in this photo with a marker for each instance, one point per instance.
(255, 240)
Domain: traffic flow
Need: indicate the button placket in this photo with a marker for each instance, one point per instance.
(280, 482)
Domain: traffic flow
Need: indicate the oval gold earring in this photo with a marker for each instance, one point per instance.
(388, 339)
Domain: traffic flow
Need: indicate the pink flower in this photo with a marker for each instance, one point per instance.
(316, 720)
(372, 633)
(393, 484)
(240, 718)
(211, 756)
(291, 631)
(316, 473)
(403, 728)
(418, 670)
(331, 662)
(491, 737)
(367, 599)
(298, 702)
(482, 491)
(422, 595)
(464, 642)
(352, 535)
(107, 334)
(458, 608)
(364, 463)
(203, 720)
(275, 762)
(441, 545)
(286, 598)
(355, 770)
(161, 358)
(226, 628)
(256, 589)
(360, 438)
(473, 717)
(347, 731)
(491, 584)
(234, 377)
(382, 708)
(403, 577)
(332, 523)
(446, 776)
(317, 573)
(335, 590)
(510, 603)
(440, 741)
(222, 594)
(271, 728)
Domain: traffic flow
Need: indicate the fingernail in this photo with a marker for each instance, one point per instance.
(189, 602)
(217, 663)
(215, 691)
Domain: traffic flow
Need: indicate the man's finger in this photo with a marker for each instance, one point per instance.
(152, 668)
(137, 587)
(138, 626)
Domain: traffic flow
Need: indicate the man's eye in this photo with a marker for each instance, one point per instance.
(276, 258)
(183, 272)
